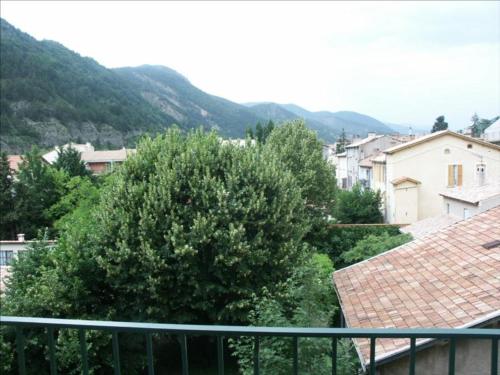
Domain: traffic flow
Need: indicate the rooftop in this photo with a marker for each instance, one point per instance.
(430, 225)
(364, 141)
(445, 280)
(105, 156)
(474, 194)
(14, 162)
(438, 134)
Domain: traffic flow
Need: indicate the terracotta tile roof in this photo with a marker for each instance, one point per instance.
(14, 162)
(430, 225)
(444, 280)
(106, 155)
(402, 179)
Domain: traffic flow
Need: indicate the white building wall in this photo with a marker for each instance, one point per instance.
(428, 163)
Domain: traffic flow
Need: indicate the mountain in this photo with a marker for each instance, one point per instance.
(51, 95)
(405, 129)
(279, 113)
(176, 97)
(328, 124)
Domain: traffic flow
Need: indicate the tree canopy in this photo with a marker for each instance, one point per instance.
(69, 160)
(439, 124)
(359, 206)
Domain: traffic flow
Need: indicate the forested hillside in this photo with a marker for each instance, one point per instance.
(51, 95)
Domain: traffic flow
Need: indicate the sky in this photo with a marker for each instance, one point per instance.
(400, 62)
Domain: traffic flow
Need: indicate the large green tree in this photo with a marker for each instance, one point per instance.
(69, 160)
(7, 212)
(359, 206)
(300, 151)
(38, 188)
(188, 230)
(439, 124)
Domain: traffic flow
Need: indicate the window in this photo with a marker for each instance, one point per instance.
(481, 174)
(466, 213)
(454, 175)
(6, 257)
(448, 208)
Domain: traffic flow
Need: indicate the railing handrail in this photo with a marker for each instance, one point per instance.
(225, 330)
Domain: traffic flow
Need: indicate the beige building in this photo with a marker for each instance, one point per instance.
(411, 176)
(448, 279)
(10, 250)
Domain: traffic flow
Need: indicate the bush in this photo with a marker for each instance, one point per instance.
(359, 206)
(307, 300)
(339, 239)
(373, 245)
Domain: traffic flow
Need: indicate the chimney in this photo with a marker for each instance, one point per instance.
(370, 135)
(20, 237)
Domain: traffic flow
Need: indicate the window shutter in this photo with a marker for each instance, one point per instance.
(450, 175)
(459, 182)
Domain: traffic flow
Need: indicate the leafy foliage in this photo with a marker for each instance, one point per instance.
(69, 160)
(338, 240)
(440, 124)
(341, 142)
(359, 206)
(188, 230)
(307, 300)
(37, 189)
(261, 132)
(7, 212)
(479, 125)
(373, 245)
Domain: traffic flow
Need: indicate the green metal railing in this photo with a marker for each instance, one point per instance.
(221, 332)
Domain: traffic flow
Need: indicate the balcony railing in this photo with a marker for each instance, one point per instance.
(221, 332)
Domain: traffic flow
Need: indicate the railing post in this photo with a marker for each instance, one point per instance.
(184, 355)
(295, 355)
(83, 351)
(372, 355)
(21, 361)
(334, 355)
(494, 356)
(220, 355)
(451, 356)
(116, 354)
(52, 351)
(412, 355)
(149, 350)
(256, 356)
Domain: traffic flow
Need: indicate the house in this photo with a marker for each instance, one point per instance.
(8, 251)
(96, 161)
(14, 162)
(51, 156)
(340, 162)
(359, 151)
(412, 175)
(103, 161)
(465, 202)
(448, 279)
(492, 133)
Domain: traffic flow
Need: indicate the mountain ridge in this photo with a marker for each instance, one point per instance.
(51, 95)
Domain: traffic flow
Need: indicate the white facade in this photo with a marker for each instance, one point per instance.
(414, 174)
(51, 156)
(10, 250)
(467, 202)
(363, 149)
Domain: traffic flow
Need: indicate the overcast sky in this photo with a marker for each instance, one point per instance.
(399, 62)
